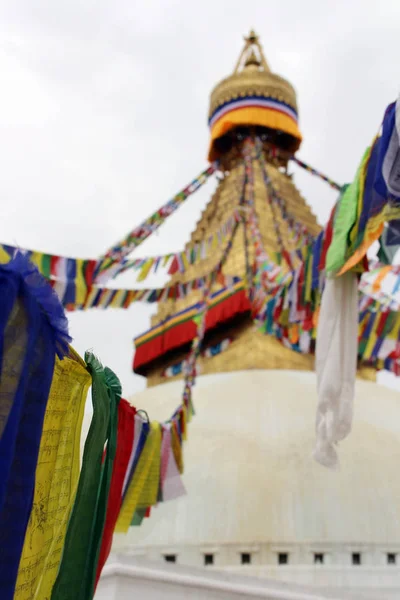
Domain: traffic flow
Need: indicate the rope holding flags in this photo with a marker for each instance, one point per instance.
(77, 281)
(313, 171)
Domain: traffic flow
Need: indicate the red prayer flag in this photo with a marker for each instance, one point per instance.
(126, 425)
(174, 266)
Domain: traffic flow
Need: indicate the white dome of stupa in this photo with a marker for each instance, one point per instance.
(252, 485)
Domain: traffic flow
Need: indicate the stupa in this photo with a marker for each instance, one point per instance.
(257, 505)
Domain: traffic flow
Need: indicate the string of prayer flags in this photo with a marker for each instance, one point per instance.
(205, 248)
(150, 225)
(291, 313)
(299, 233)
(372, 199)
(257, 286)
(74, 277)
(178, 261)
(71, 278)
(270, 279)
(313, 171)
(108, 297)
(122, 298)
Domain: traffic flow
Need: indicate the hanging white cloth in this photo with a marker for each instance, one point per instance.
(336, 365)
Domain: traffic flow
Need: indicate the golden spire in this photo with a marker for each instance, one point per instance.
(252, 95)
(248, 54)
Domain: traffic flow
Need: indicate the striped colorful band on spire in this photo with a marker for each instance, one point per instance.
(252, 102)
(255, 111)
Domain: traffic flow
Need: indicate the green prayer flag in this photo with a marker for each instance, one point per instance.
(345, 219)
(114, 390)
(75, 579)
(46, 265)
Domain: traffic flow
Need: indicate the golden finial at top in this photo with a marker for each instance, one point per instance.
(252, 38)
(248, 55)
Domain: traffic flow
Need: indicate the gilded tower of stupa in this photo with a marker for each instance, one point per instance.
(252, 101)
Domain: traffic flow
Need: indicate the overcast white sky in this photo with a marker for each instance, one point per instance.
(103, 109)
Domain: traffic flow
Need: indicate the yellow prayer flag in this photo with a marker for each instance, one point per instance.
(149, 493)
(185, 261)
(56, 482)
(140, 478)
(80, 283)
(145, 270)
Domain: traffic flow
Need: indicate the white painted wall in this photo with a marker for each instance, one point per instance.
(253, 487)
(250, 477)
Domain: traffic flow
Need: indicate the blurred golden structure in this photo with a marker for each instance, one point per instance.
(256, 96)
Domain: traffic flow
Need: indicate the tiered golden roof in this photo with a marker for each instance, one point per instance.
(250, 348)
